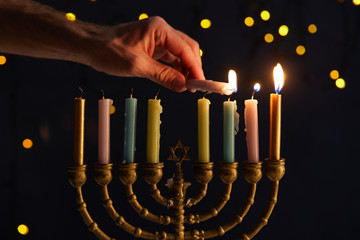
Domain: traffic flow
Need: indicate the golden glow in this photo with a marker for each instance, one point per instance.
(356, 2)
(112, 109)
(283, 30)
(2, 60)
(232, 80)
(269, 38)
(278, 78)
(249, 21)
(256, 87)
(312, 28)
(300, 50)
(23, 229)
(143, 16)
(71, 17)
(27, 143)
(201, 53)
(265, 15)
(340, 83)
(205, 23)
(334, 74)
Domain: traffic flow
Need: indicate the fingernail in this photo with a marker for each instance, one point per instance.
(178, 84)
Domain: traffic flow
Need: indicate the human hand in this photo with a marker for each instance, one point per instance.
(132, 49)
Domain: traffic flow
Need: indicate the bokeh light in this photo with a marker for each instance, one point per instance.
(283, 30)
(143, 16)
(334, 74)
(269, 38)
(201, 52)
(71, 16)
(312, 28)
(356, 2)
(23, 229)
(265, 15)
(112, 109)
(249, 21)
(340, 83)
(2, 60)
(27, 143)
(300, 50)
(205, 23)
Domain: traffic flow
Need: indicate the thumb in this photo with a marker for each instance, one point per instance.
(164, 75)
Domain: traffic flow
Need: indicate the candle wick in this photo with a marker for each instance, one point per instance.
(103, 94)
(252, 95)
(82, 91)
(131, 93)
(157, 94)
(205, 94)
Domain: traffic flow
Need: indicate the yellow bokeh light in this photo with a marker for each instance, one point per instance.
(143, 16)
(356, 2)
(283, 30)
(340, 83)
(312, 28)
(205, 23)
(265, 15)
(300, 50)
(27, 143)
(201, 52)
(249, 21)
(112, 109)
(2, 60)
(71, 17)
(334, 74)
(23, 229)
(269, 38)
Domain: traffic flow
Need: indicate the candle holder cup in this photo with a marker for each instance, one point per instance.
(203, 173)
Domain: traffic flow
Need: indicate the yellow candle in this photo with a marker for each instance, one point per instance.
(275, 115)
(79, 120)
(203, 130)
(153, 131)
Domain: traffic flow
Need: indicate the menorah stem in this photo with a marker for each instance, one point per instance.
(156, 194)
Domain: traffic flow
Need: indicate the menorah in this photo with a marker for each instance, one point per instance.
(203, 173)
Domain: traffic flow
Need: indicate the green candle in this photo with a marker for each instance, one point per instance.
(229, 108)
(130, 129)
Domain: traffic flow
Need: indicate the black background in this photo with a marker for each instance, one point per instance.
(318, 196)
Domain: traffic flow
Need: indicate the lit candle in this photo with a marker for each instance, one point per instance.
(79, 121)
(130, 129)
(210, 86)
(153, 131)
(251, 127)
(104, 130)
(229, 114)
(203, 130)
(275, 114)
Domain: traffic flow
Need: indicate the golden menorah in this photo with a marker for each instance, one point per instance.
(203, 173)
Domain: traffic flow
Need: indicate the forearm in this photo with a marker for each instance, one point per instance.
(31, 29)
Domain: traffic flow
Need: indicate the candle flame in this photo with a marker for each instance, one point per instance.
(256, 87)
(278, 78)
(232, 80)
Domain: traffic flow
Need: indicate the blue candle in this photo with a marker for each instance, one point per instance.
(130, 129)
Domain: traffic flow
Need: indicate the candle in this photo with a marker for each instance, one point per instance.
(229, 114)
(203, 130)
(275, 114)
(130, 129)
(153, 131)
(210, 86)
(104, 130)
(251, 127)
(79, 121)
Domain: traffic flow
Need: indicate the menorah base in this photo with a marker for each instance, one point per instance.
(274, 170)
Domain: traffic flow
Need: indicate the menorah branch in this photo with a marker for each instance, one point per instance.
(77, 178)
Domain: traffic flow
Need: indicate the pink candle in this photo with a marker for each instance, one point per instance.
(251, 127)
(104, 131)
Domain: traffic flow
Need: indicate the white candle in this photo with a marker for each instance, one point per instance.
(210, 86)
(104, 131)
(251, 127)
